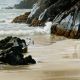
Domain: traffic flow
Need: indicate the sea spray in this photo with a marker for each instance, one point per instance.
(47, 28)
(23, 29)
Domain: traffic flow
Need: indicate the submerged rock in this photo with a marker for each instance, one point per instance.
(12, 52)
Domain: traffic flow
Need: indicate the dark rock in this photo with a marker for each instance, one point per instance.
(13, 52)
(29, 60)
(61, 31)
(9, 8)
(3, 43)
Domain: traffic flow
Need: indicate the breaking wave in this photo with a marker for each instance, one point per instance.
(23, 30)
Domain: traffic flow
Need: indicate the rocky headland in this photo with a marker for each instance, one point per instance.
(64, 14)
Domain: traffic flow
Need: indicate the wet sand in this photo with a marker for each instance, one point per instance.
(58, 61)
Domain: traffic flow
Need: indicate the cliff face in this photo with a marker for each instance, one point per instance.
(65, 13)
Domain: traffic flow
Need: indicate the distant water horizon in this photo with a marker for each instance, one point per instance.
(8, 3)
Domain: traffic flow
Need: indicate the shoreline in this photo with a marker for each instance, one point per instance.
(54, 62)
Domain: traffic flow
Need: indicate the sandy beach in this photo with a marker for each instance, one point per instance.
(58, 61)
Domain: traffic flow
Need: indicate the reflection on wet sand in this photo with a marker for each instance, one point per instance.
(59, 61)
(76, 53)
(40, 75)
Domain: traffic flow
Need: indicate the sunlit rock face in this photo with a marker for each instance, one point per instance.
(12, 52)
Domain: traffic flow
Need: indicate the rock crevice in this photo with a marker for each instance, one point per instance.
(12, 51)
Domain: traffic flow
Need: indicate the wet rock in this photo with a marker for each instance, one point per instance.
(3, 43)
(21, 18)
(14, 53)
(29, 60)
(73, 34)
(36, 22)
(67, 33)
(61, 31)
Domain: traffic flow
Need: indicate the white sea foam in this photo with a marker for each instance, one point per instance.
(23, 30)
(48, 27)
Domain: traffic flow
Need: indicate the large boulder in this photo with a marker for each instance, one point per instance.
(62, 31)
(12, 52)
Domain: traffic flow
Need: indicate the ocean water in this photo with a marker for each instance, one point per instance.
(23, 30)
(8, 3)
(15, 29)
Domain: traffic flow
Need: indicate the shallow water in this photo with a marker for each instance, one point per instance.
(51, 63)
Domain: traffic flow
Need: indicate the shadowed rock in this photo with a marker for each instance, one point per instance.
(12, 52)
(61, 31)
